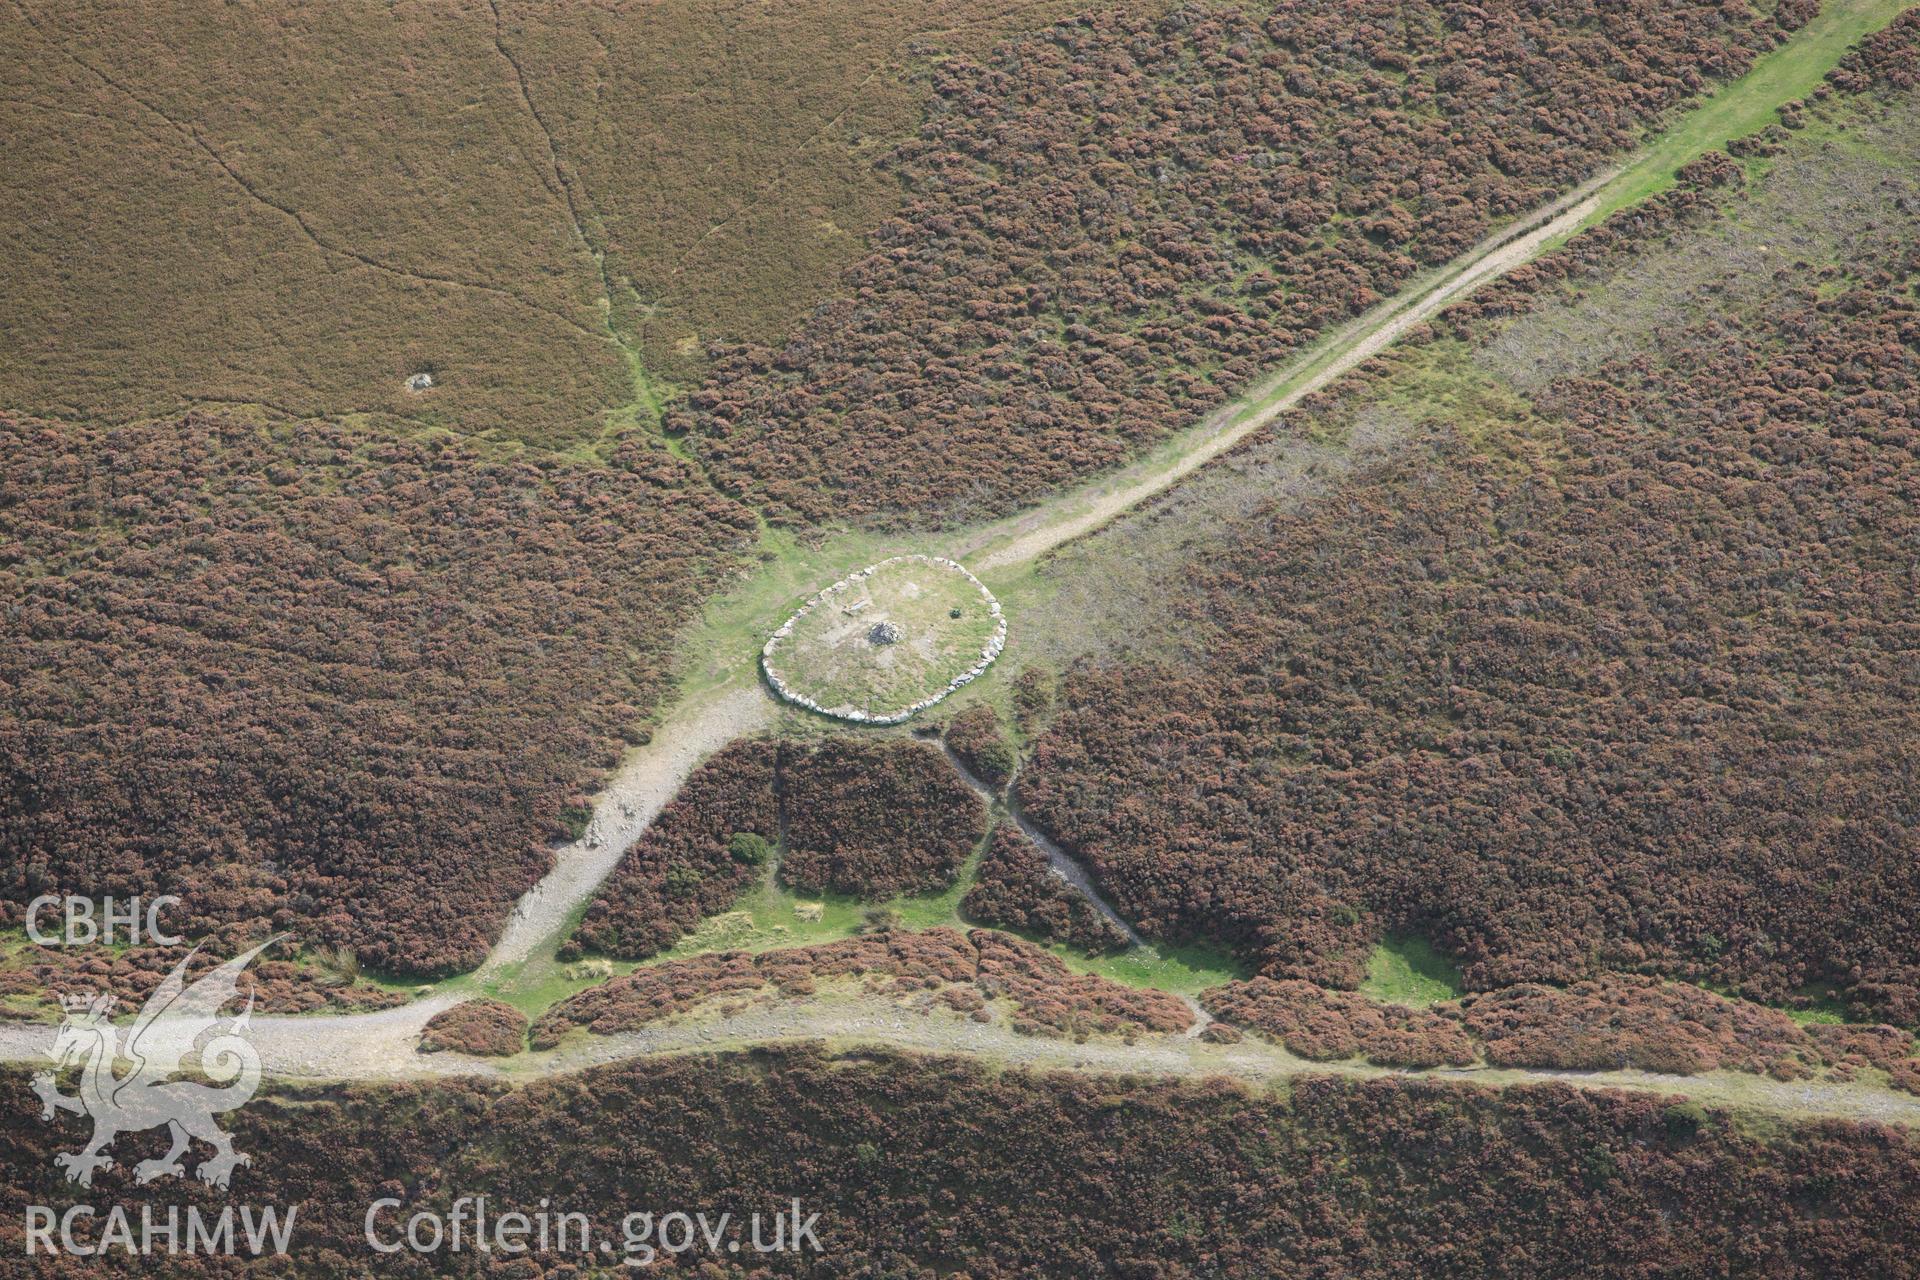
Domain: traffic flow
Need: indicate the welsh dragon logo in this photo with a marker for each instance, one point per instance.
(135, 1090)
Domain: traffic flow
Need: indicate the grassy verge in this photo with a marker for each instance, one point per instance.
(722, 645)
(720, 648)
(1184, 970)
(1750, 103)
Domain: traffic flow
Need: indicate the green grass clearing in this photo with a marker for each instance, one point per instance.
(724, 643)
(1824, 1005)
(1183, 969)
(1409, 971)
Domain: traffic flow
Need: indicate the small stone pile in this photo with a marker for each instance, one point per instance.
(883, 633)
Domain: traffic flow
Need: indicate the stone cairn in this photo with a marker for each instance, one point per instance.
(858, 715)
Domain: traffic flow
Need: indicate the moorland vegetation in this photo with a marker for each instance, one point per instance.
(872, 819)
(550, 208)
(305, 676)
(482, 1028)
(1114, 224)
(354, 676)
(1606, 670)
(1016, 889)
(927, 1167)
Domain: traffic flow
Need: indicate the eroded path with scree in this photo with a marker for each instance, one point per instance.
(381, 1046)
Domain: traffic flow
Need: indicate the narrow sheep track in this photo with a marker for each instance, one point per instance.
(1058, 861)
(694, 730)
(382, 1046)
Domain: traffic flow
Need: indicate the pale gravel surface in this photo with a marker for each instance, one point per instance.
(1064, 866)
(1032, 535)
(849, 1022)
(382, 1045)
(1058, 861)
(645, 781)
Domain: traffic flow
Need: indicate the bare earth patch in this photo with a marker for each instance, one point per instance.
(886, 642)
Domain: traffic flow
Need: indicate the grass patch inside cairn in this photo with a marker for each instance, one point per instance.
(881, 643)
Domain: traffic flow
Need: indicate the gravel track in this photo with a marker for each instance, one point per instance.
(1029, 536)
(381, 1045)
(641, 787)
(693, 731)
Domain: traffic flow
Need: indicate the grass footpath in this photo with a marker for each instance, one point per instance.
(1752, 102)
(720, 648)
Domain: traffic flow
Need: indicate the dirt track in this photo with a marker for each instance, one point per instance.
(641, 787)
(380, 1046)
(1029, 536)
(693, 731)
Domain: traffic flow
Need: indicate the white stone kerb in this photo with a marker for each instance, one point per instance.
(861, 715)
